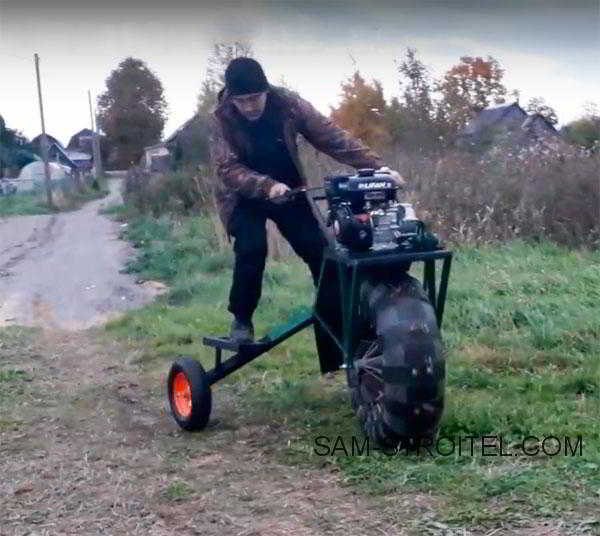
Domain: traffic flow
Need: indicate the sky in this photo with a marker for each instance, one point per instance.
(549, 49)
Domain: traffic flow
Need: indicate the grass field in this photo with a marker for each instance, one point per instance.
(35, 202)
(522, 331)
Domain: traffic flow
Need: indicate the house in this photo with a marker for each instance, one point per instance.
(74, 157)
(537, 126)
(189, 143)
(36, 143)
(83, 161)
(75, 160)
(156, 158)
(508, 124)
(82, 141)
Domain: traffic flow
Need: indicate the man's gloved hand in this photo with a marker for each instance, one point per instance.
(278, 189)
(395, 176)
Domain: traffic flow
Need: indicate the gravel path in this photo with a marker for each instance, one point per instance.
(62, 270)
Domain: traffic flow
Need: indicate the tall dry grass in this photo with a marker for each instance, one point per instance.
(535, 194)
(467, 198)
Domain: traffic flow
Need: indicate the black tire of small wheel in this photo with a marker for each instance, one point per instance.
(402, 410)
(201, 394)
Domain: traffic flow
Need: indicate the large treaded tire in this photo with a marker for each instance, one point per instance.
(398, 380)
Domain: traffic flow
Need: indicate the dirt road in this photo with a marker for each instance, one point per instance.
(62, 270)
(86, 448)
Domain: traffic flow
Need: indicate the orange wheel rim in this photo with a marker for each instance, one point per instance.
(182, 395)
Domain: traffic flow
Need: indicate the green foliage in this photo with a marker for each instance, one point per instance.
(13, 150)
(414, 121)
(186, 190)
(584, 132)
(67, 196)
(24, 203)
(132, 110)
(178, 491)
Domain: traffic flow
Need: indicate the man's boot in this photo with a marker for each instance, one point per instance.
(242, 331)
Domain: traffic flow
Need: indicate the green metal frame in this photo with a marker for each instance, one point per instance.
(352, 272)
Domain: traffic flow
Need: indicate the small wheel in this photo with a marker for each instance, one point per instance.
(189, 394)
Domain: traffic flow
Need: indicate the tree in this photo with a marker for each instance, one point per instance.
(362, 111)
(470, 86)
(13, 149)
(395, 123)
(222, 54)
(537, 105)
(416, 125)
(191, 146)
(417, 88)
(585, 131)
(132, 110)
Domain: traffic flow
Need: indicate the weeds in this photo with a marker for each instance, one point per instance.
(537, 194)
(178, 491)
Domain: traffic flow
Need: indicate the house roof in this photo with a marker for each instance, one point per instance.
(61, 150)
(491, 116)
(83, 132)
(74, 141)
(538, 118)
(51, 139)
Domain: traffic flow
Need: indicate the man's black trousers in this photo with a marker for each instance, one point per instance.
(299, 227)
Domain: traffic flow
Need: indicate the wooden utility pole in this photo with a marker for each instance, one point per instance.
(95, 140)
(44, 137)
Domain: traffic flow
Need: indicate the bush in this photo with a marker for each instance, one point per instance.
(186, 191)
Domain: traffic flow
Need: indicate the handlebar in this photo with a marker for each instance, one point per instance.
(290, 195)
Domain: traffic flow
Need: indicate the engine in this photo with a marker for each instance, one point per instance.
(365, 214)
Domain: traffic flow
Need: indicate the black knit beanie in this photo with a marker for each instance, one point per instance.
(245, 75)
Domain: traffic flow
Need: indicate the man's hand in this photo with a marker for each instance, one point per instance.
(278, 189)
(395, 176)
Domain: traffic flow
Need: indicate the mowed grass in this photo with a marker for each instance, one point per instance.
(522, 332)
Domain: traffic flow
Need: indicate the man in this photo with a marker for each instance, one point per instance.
(255, 156)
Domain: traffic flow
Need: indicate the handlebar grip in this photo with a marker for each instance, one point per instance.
(287, 196)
